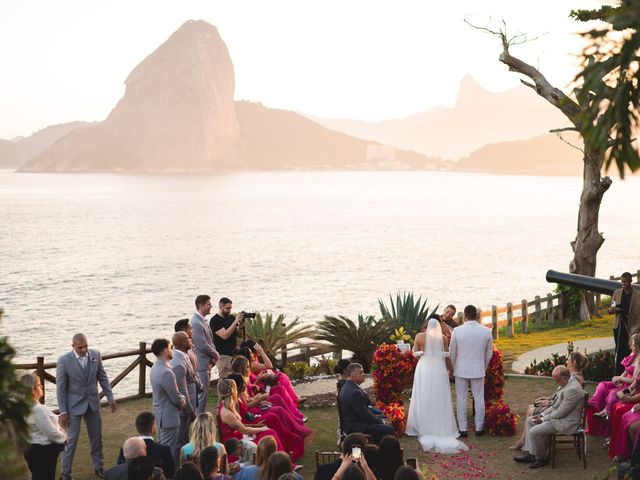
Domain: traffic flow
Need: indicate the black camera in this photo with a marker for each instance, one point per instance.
(249, 315)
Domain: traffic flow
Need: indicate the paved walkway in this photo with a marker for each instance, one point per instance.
(589, 346)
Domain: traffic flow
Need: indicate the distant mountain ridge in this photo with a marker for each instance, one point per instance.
(479, 117)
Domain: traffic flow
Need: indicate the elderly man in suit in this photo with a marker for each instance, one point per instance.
(563, 416)
(77, 376)
(160, 455)
(204, 347)
(132, 448)
(168, 402)
(355, 407)
(185, 374)
(625, 303)
(471, 349)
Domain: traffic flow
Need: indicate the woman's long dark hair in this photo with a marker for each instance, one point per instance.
(392, 454)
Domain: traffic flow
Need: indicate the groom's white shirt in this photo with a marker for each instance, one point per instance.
(471, 350)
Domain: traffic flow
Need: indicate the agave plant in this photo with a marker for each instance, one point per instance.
(362, 338)
(406, 312)
(272, 334)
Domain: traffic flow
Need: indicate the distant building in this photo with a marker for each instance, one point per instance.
(384, 157)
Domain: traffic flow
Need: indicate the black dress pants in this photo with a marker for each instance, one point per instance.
(42, 460)
(379, 431)
(621, 338)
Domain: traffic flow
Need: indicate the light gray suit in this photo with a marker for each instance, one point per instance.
(206, 355)
(185, 374)
(563, 416)
(77, 394)
(167, 404)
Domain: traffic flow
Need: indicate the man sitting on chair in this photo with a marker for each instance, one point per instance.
(355, 406)
(563, 416)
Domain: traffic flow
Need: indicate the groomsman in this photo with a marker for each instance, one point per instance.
(183, 325)
(167, 400)
(77, 376)
(204, 347)
(184, 372)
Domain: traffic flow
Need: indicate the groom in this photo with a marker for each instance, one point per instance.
(471, 350)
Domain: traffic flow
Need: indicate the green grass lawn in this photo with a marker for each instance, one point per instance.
(488, 457)
(537, 337)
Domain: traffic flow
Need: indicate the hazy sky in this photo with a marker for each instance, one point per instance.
(64, 60)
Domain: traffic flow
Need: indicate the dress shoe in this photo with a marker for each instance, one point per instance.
(99, 472)
(298, 468)
(526, 458)
(480, 433)
(464, 434)
(543, 462)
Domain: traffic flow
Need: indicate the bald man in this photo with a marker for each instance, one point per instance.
(185, 378)
(132, 448)
(77, 376)
(563, 416)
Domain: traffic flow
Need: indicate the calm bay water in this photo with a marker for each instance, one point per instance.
(121, 257)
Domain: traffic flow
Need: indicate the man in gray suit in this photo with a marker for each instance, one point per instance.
(77, 375)
(185, 375)
(167, 400)
(183, 325)
(204, 347)
(563, 416)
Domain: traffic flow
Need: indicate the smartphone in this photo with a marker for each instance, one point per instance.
(356, 453)
(267, 389)
(412, 463)
(626, 391)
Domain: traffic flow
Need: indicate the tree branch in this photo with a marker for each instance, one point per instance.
(570, 144)
(565, 129)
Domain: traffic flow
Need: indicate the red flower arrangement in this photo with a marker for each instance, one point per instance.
(390, 370)
(498, 418)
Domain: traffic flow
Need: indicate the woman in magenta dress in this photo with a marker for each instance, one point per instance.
(292, 442)
(230, 421)
(606, 392)
(622, 416)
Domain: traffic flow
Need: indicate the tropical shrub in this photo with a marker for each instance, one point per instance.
(571, 299)
(361, 338)
(297, 370)
(600, 365)
(273, 334)
(325, 366)
(406, 312)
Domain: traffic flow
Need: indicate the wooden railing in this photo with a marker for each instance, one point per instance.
(141, 362)
(637, 275)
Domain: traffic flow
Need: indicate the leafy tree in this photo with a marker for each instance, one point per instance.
(362, 338)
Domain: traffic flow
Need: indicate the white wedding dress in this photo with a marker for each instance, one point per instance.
(431, 409)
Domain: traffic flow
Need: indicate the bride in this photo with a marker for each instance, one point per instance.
(431, 410)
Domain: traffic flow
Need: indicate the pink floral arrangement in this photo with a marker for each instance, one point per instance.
(391, 369)
(499, 420)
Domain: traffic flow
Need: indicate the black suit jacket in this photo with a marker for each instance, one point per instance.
(326, 471)
(120, 472)
(159, 454)
(354, 407)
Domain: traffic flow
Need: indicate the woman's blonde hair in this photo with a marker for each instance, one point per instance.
(635, 340)
(225, 393)
(266, 446)
(202, 433)
(29, 380)
(580, 360)
(240, 365)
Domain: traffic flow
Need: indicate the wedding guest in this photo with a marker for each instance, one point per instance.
(210, 464)
(159, 454)
(225, 328)
(291, 441)
(204, 347)
(326, 471)
(188, 471)
(202, 434)
(354, 405)
(233, 446)
(563, 416)
(576, 363)
(278, 464)
(340, 371)
(46, 437)
(183, 325)
(185, 374)
(133, 448)
(350, 469)
(406, 472)
(391, 452)
(627, 318)
(77, 376)
(266, 446)
(140, 468)
(447, 317)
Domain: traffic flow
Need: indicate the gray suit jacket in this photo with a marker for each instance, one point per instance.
(184, 373)
(120, 472)
(566, 409)
(77, 388)
(166, 396)
(206, 352)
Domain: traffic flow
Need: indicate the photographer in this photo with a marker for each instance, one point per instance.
(625, 303)
(225, 328)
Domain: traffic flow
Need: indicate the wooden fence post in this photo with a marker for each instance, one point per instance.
(494, 322)
(142, 373)
(40, 373)
(551, 318)
(638, 276)
(525, 316)
(283, 350)
(509, 319)
(337, 354)
(479, 313)
(598, 301)
(538, 312)
(306, 352)
(560, 307)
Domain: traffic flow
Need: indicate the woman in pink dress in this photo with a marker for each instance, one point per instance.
(606, 392)
(622, 416)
